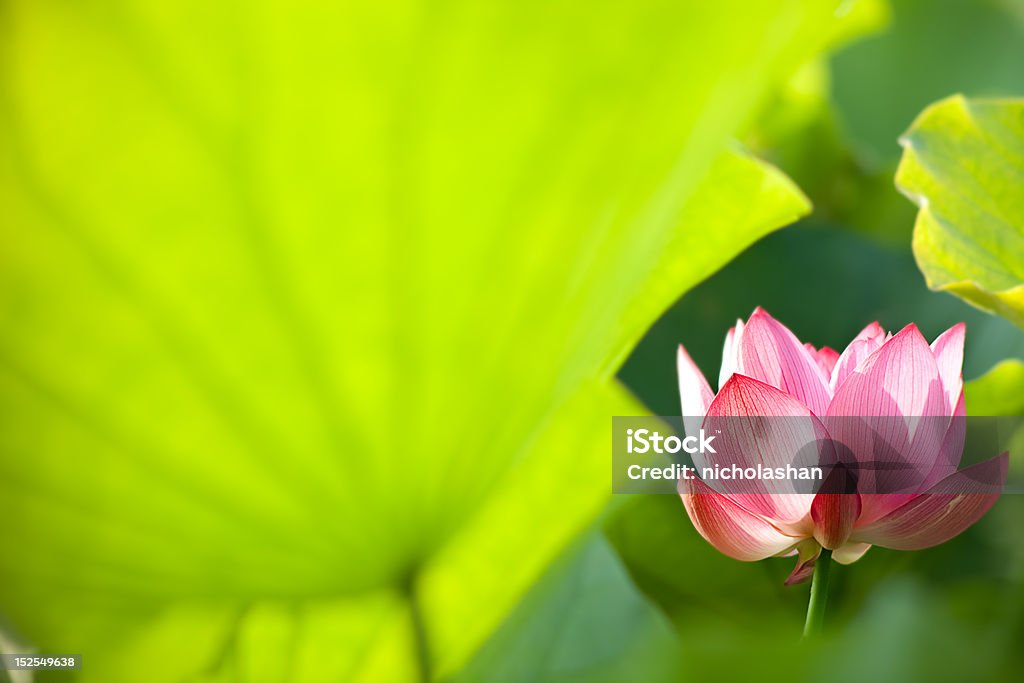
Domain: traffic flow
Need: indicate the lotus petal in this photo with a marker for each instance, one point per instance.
(948, 349)
(732, 340)
(809, 552)
(825, 357)
(761, 425)
(870, 339)
(835, 508)
(728, 527)
(768, 351)
(695, 394)
(946, 510)
(888, 416)
(850, 553)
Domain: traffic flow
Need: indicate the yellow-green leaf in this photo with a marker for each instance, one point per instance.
(310, 312)
(963, 165)
(1000, 391)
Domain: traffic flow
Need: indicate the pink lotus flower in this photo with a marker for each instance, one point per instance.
(907, 496)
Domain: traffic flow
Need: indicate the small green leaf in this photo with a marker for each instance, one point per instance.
(963, 165)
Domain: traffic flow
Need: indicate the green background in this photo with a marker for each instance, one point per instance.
(313, 317)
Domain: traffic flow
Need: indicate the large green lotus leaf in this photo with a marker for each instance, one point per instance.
(309, 316)
(963, 165)
(584, 622)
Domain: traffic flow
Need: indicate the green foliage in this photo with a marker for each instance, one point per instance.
(694, 585)
(963, 165)
(997, 392)
(834, 127)
(584, 622)
(826, 284)
(928, 51)
(309, 316)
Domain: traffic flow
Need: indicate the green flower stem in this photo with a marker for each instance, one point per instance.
(819, 594)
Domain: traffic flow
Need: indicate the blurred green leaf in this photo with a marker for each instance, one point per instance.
(310, 316)
(825, 284)
(798, 130)
(716, 604)
(879, 84)
(694, 584)
(910, 633)
(928, 51)
(584, 622)
(963, 165)
(1000, 391)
